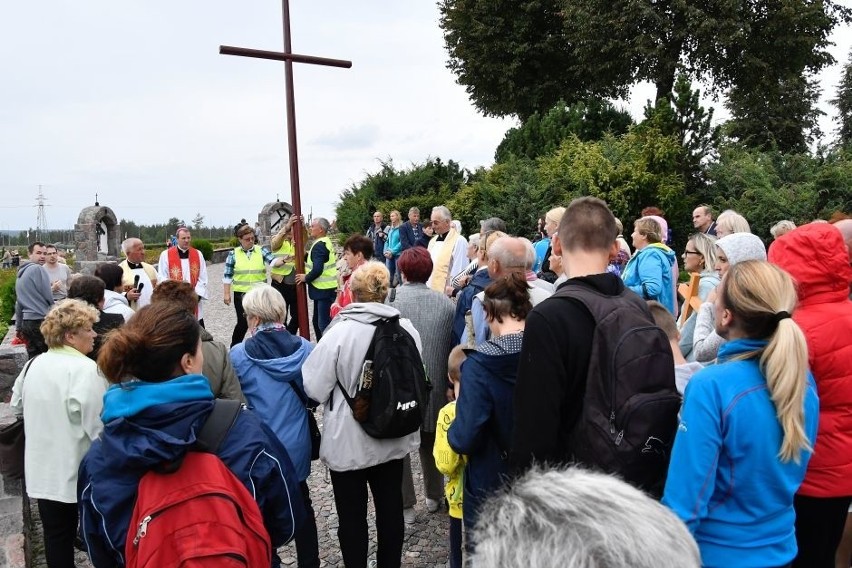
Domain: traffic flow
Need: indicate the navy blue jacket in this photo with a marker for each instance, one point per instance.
(156, 422)
(407, 239)
(464, 300)
(483, 426)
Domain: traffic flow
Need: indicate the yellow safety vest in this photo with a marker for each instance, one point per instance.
(327, 280)
(287, 249)
(248, 272)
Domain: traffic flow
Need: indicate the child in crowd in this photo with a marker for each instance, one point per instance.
(683, 369)
(450, 463)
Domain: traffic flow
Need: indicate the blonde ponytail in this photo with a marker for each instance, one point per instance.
(761, 297)
(784, 363)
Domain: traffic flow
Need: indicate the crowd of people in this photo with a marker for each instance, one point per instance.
(591, 403)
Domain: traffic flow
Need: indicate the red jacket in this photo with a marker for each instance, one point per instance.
(818, 260)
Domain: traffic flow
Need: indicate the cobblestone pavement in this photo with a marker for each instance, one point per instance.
(425, 540)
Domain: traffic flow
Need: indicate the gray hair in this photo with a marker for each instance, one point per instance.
(443, 212)
(509, 252)
(582, 519)
(265, 303)
(415, 210)
(492, 224)
(323, 223)
(782, 228)
(128, 243)
(530, 262)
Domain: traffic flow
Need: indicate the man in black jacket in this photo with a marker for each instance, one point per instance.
(377, 233)
(558, 340)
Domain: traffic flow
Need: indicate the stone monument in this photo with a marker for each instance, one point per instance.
(98, 238)
(272, 217)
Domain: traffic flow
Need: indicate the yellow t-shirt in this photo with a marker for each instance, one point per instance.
(449, 462)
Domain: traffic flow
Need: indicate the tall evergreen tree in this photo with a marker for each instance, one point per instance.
(542, 134)
(843, 102)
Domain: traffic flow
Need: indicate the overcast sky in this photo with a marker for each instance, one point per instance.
(132, 100)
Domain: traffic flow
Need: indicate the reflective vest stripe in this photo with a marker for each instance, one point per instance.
(248, 272)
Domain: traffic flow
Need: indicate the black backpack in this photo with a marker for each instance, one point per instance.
(393, 402)
(630, 407)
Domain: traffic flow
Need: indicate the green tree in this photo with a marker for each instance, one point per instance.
(775, 113)
(540, 135)
(516, 58)
(511, 57)
(198, 221)
(692, 127)
(843, 102)
(630, 172)
(767, 186)
(421, 185)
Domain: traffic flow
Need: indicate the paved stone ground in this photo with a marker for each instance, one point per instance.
(425, 540)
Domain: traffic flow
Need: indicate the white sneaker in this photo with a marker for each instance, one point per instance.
(409, 515)
(432, 505)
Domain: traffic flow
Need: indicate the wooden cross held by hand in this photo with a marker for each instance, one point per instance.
(288, 57)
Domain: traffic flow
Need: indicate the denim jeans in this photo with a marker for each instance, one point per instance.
(322, 315)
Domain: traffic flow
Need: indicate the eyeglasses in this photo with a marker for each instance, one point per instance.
(692, 252)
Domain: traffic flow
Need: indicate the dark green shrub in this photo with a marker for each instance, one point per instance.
(204, 246)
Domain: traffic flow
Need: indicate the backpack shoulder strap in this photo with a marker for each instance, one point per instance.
(218, 423)
(371, 350)
(599, 304)
(302, 396)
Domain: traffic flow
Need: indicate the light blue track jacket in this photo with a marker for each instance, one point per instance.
(725, 480)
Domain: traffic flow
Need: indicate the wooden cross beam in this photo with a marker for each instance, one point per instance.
(288, 57)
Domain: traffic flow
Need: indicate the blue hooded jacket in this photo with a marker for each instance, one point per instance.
(146, 424)
(269, 366)
(483, 426)
(649, 274)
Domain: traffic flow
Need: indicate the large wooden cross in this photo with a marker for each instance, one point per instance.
(288, 57)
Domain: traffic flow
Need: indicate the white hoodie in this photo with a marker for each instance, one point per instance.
(115, 303)
(339, 356)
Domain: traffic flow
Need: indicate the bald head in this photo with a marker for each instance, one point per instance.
(845, 227)
(507, 254)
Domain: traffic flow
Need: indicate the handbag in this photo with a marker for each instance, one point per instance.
(313, 427)
(12, 442)
(12, 449)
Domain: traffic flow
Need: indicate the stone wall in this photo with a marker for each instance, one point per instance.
(13, 510)
(12, 359)
(12, 525)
